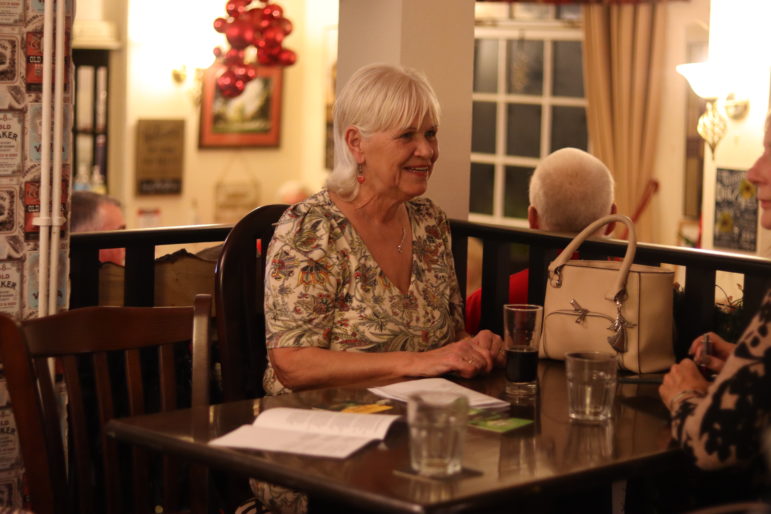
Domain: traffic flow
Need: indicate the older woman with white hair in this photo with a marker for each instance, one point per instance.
(360, 283)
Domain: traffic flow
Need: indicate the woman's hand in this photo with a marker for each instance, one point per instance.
(493, 344)
(721, 349)
(463, 357)
(684, 379)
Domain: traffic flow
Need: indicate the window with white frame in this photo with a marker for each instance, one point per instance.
(528, 101)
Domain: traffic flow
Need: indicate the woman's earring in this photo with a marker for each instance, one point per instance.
(360, 176)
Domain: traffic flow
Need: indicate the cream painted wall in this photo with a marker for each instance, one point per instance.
(739, 36)
(396, 32)
(161, 36)
(666, 208)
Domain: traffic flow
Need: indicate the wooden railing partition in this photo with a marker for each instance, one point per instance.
(697, 312)
(696, 315)
(140, 245)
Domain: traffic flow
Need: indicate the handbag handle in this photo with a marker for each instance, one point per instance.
(619, 289)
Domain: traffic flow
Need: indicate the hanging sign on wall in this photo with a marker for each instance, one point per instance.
(160, 146)
(736, 211)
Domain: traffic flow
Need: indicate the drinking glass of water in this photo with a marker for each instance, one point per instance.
(521, 333)
(591, 385)
(437, 421)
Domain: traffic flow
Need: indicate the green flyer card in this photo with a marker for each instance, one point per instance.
(495, 421)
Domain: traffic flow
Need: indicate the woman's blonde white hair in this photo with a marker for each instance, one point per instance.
(767, 133)
(570, 189)
(377, 97)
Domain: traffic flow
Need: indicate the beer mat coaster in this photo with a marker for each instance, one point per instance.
(359, 407)
(408, 472)
(499, 425)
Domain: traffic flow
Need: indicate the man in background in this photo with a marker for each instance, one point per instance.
(569, 189)
(94, 212)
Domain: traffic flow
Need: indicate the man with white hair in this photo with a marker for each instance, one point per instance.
(569, 189)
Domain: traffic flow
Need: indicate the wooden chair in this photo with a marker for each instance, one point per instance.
(114, 361)
(239, 300)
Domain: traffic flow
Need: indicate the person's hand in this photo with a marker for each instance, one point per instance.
(462, 357)
(683, 379)
(721, 349)
(491, 343)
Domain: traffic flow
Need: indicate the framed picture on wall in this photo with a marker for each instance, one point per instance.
(252, 118)
(736, 211)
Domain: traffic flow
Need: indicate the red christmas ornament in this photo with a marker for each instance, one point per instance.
(236, 7)
(240, 34)
(272, 10)
(264, 28)
(234, 57)
(254, 16)
(285, 25)
(287, 57)
(229, 85)
(272, 36)
(220, 24)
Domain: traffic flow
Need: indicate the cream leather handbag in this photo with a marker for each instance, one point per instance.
(609, 306)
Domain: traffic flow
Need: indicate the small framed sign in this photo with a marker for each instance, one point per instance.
(160, 148)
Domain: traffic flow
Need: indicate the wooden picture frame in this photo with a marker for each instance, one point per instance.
(223, 124)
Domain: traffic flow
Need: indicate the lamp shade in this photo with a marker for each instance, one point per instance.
(705, 79)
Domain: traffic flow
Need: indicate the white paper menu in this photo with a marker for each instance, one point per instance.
(402, 390)
(309, 432)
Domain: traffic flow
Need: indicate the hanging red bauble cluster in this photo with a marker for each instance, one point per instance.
(262, 26)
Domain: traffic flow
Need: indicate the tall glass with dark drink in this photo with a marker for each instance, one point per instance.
(521, 332)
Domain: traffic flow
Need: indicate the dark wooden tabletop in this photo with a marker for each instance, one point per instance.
(551, 454)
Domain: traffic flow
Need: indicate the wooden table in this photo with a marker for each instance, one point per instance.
(552, 455)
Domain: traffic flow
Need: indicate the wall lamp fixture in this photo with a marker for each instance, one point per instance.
(709, 81)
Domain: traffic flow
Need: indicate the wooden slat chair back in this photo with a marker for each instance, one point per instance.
(114, 361)
(239, 301)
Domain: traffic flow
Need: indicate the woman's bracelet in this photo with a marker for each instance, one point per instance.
(688, 393)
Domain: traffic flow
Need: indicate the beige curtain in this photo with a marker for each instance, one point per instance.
(623, 60)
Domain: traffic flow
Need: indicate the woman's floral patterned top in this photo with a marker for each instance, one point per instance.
(323, 288)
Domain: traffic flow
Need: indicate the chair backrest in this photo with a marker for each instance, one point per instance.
(114, 361)
(239, 301)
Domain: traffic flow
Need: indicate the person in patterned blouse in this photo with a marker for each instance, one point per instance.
(721, 424)
(360, 282)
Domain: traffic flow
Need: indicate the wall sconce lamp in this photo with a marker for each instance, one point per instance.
(190, 79)
(709, 82)
(179, 75)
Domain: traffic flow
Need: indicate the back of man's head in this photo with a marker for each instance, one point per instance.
(87, 212)
(570, 189)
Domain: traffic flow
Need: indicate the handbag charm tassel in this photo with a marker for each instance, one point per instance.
(579, 310)
(618, 340)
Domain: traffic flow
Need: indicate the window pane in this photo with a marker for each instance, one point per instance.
(481, 190)
(486, 65)
(568, 72)
(491, 11)
(516, 191)
(571, 12)
(483, 119)
(523, 135)
(525, 67)
(568, 128)
(531, 11)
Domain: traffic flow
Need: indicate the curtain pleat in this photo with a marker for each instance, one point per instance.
(623, 56)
